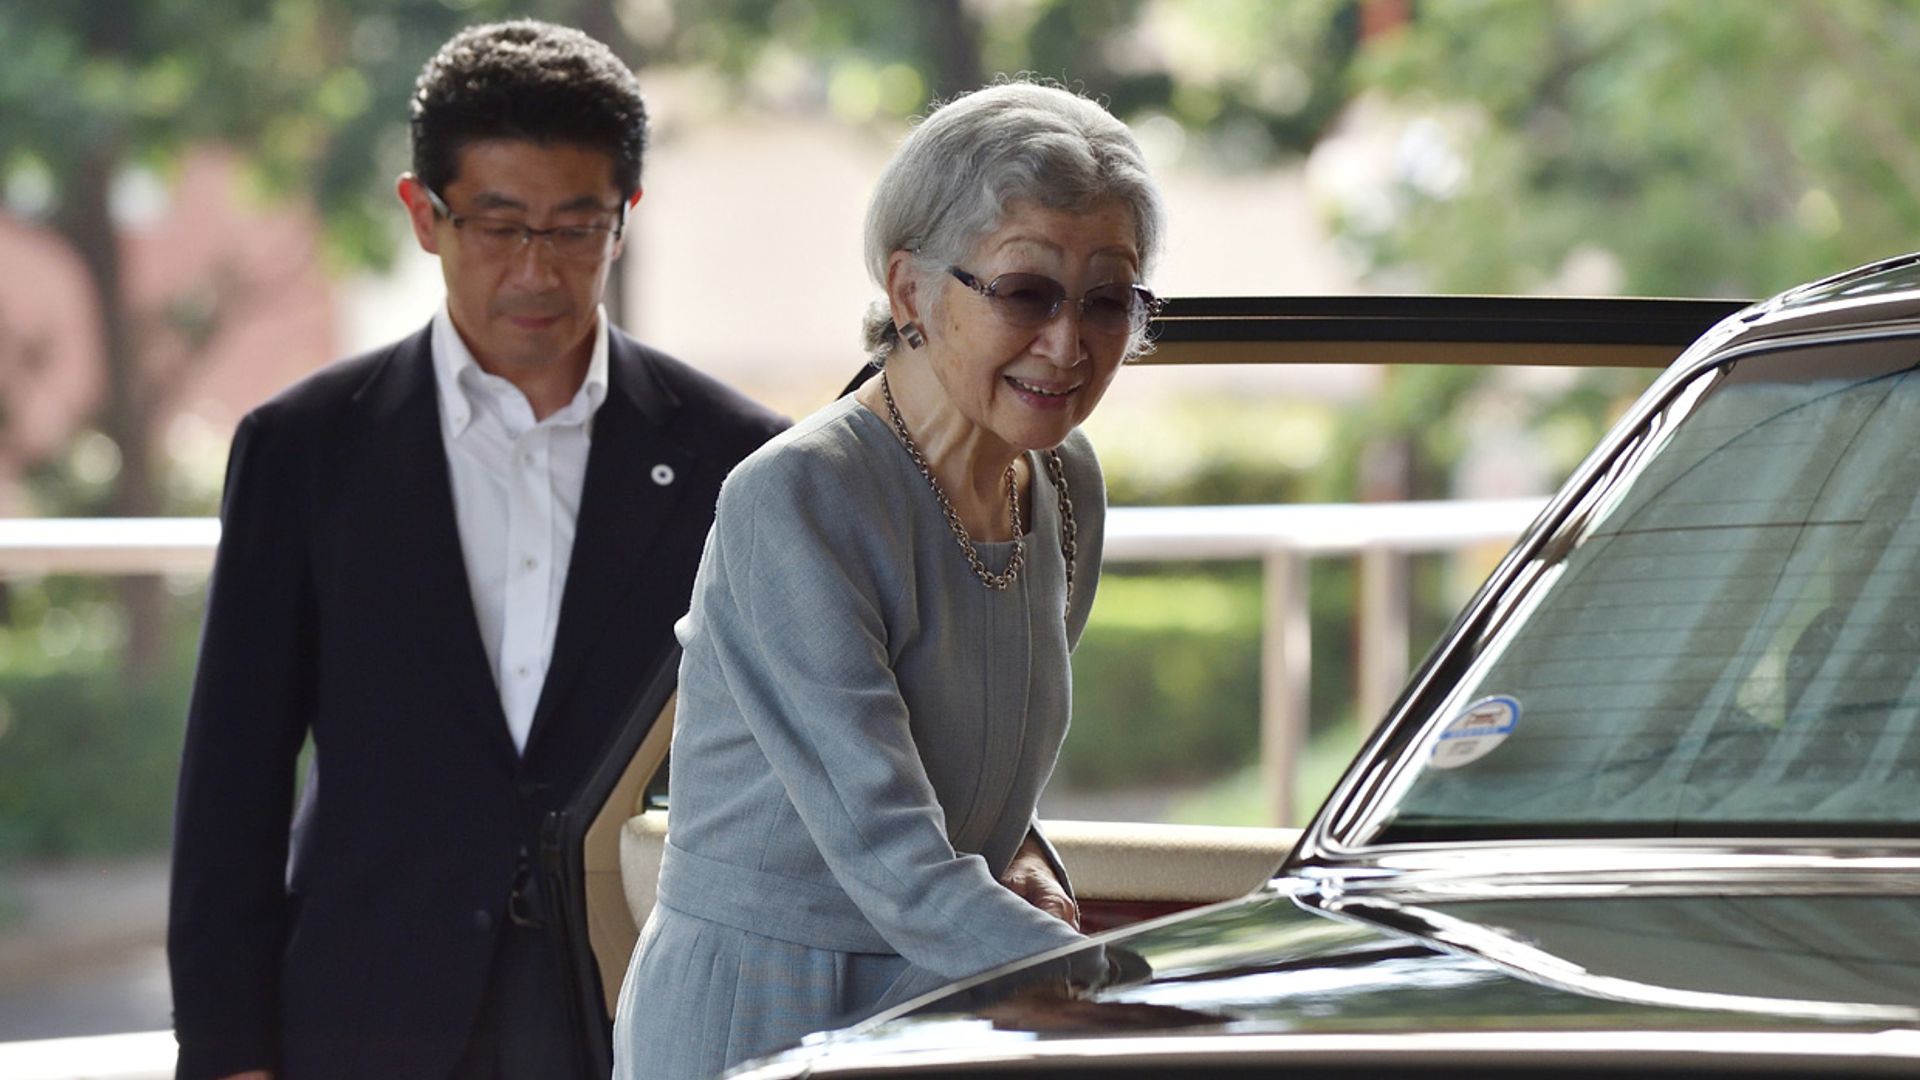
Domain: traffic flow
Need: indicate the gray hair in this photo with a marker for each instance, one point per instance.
(950, 182)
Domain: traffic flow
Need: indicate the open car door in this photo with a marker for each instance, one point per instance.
(580, 866)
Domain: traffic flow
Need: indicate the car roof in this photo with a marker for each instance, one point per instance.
(1878, 293)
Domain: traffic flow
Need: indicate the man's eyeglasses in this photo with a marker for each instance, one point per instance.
(503, 238)
(1030, 301)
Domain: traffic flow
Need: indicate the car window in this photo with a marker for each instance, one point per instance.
(1724, 638)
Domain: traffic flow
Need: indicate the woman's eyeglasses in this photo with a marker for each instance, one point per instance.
(1030, 301)
(503, 238)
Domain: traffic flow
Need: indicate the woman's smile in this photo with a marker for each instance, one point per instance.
(1043, 394)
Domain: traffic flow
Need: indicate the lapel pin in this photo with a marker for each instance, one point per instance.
(663, 475)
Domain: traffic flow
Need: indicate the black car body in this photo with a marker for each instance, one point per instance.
(1650, 808)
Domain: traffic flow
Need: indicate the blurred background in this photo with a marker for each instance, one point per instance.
(196, 208)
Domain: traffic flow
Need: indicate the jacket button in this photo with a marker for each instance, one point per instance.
(482, 919)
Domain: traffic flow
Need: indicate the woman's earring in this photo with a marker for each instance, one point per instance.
(912, 335)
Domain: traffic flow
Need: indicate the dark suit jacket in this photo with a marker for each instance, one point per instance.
(340, 609)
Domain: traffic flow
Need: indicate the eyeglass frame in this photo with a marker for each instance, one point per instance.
(527, 232)
(1150, 304)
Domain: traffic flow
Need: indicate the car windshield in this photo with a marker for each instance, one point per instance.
(1723, 638)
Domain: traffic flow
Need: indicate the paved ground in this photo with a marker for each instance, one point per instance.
(82, 949)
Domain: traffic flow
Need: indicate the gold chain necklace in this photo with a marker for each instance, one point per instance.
(1056, 472)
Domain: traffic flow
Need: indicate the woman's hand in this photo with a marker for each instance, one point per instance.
(1031, 878)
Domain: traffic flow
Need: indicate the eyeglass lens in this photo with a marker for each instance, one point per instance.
(1034, 299)
(498, 237)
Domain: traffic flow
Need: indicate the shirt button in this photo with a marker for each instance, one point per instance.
(663, 475)
(530, 562)
(524, 671)
(527, 458)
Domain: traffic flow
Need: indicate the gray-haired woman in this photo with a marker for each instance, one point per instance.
(875, 684)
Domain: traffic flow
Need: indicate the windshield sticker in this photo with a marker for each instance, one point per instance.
(1473, 734)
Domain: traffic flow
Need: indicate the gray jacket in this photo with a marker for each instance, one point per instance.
(864, 729)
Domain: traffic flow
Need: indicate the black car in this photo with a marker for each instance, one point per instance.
(1650, 808)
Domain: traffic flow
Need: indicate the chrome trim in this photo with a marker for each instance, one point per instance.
(1865, 867)
(1536, 965)
(1891, 1052)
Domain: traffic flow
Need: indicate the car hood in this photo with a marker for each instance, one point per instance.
(1297, 957)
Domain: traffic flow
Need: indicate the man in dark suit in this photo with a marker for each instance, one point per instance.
(450, 562)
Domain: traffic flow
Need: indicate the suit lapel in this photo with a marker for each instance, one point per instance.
(406, 454)
(635, 479)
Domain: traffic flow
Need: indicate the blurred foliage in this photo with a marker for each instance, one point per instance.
(1704, 148)
(314, 94)
(1397, 421)
(1249, 79)
(94, 93)
(1421, 423)
(88, 762)
(1683, 148)
(1240, 798)
(1166, 680)
(1680, 147)
(1182, 449)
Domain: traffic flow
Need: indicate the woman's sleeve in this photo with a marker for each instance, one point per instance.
(795, 613)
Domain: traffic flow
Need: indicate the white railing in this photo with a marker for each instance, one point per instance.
(137, 1055)
(107, 545)
(1283, 538)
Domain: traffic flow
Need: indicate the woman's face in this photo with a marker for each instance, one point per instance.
(1029, 386)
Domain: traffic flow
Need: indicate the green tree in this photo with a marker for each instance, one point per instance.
(312, 94)
(1248, 78)
(1704, 148)
(1688, 148)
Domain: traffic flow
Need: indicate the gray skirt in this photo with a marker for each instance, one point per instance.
(701, 997)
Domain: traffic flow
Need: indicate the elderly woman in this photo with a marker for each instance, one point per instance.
(875, 684)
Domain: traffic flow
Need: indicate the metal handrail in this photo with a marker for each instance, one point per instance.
(1133, 534)
(106, 545)
(135, 1055)
(1142, 533)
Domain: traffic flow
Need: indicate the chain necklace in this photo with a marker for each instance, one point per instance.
(1056, 472)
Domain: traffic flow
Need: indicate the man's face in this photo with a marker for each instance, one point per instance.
(520, 305)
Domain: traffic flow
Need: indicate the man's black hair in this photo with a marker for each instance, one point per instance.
(529, 80)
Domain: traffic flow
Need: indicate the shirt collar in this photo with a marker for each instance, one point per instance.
(459, 375)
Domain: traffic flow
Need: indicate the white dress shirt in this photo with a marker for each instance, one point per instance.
(516, 498)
